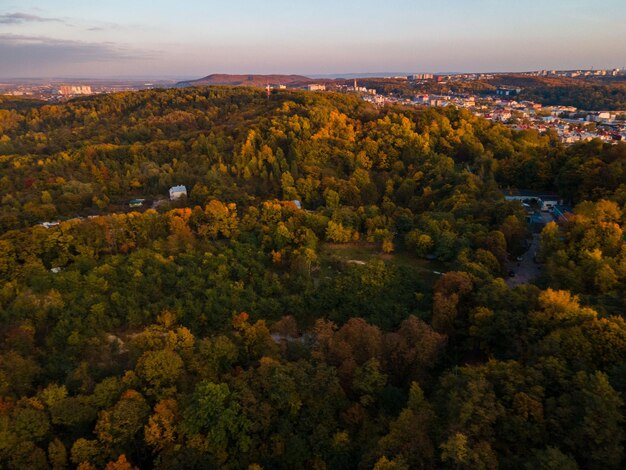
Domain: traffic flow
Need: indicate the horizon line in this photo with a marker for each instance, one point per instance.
(187, 77)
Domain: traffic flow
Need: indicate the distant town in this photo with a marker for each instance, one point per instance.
(59, 90)
(503, 104)
(570, 124)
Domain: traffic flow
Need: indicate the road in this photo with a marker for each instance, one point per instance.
(525, 270)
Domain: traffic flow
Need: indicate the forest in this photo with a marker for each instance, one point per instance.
(588, 96)
(331, 294)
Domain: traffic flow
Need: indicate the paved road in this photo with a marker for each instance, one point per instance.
(525, 270)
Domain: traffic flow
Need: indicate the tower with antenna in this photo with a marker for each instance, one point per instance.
(268, 91)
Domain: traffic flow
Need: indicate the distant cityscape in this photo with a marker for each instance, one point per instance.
(569, 123)
(58, 90)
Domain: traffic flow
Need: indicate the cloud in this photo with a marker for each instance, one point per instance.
(77, 50)
(18, 18)
(36, 55)
(104, 26)
(21, 18)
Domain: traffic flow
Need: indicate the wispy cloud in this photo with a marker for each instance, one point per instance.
(103, 26)
(18, 18)
(32, 52)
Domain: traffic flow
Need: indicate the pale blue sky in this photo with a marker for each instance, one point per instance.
(194, 38)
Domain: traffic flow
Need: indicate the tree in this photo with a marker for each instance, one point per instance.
(385, 464)
(120, 464)
(30, 421)
(19, 372)
(27, 455)
(337, 233)
(473, 410)
(215, 356)
(421, 243)
(515, 233)
(213, 423)
(456, 451)
(86, 451)
(369, 381)
(160, 370)
(598, 437)
(410, 434)
(412, 350)
(551, 458)
(57, 454)
(75, 413)
(449, 290)
(118, 426)
(255, 339)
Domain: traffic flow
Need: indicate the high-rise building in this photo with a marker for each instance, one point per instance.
(421, 76)
(316, 87)
(69, 90)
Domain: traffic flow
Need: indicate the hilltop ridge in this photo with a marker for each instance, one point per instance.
(248, 80)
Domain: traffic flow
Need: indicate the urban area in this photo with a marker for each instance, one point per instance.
(503, 104)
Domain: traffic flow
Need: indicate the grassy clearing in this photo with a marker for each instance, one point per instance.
(364, 252)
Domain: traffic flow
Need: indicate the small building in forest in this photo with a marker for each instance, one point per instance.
(50, 224)
(176, 192)
(545, 201)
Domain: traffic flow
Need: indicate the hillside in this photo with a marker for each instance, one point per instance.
(248, 80)
(371, 328)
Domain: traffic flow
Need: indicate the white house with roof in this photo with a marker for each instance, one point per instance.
(50, 224)
(176, 192)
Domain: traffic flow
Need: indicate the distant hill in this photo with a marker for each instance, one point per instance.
(248, 80)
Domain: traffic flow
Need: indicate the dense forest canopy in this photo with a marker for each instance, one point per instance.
(588, 96)
(366, 325)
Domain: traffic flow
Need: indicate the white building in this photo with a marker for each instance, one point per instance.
(70, 90)
(50, 224)
(176, 192)
(546, 202)
(602, 116)
(316, 87)
(421, 76)
(501, 115)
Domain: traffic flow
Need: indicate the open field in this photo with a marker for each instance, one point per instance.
(363, 252)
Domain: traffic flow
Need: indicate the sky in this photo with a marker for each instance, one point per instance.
(194, 38)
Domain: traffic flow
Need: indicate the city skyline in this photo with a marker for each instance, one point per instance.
(66, 38)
